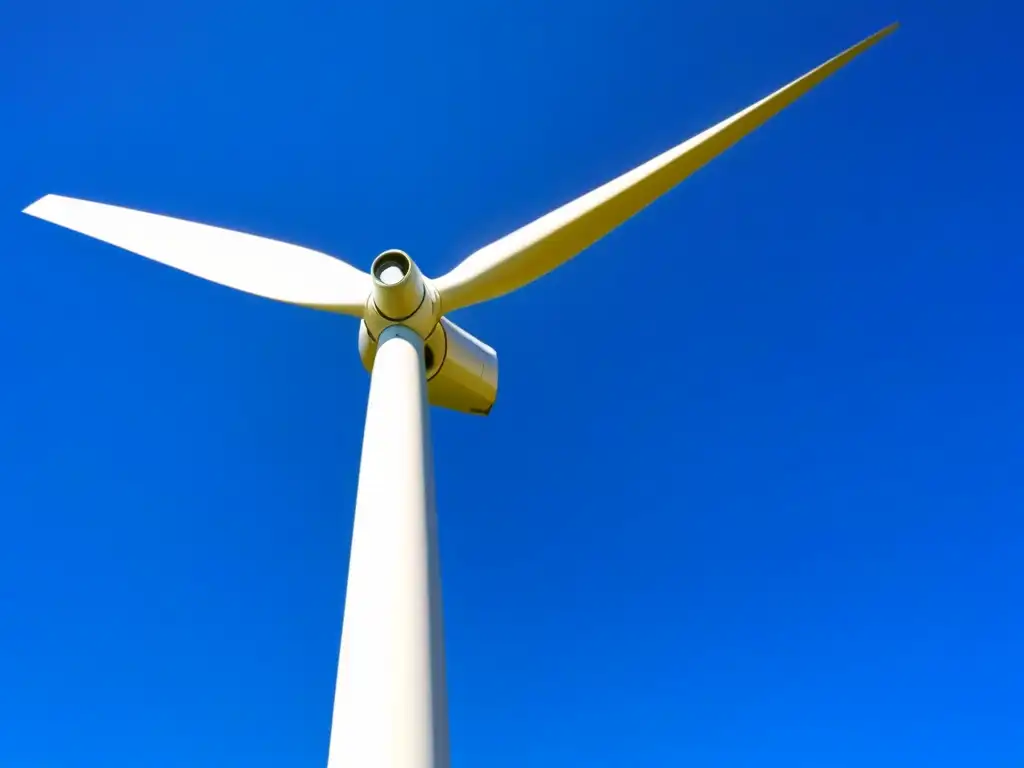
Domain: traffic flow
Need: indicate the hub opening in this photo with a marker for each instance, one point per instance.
(391, 267)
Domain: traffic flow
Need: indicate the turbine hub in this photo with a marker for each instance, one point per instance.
(401, 295)
(461, 371)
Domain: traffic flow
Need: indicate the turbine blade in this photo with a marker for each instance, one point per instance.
(539, 247)
(249, 263)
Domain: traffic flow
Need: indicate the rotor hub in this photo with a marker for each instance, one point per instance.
(401, 295)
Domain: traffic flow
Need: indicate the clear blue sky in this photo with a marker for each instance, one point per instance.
(775, 521)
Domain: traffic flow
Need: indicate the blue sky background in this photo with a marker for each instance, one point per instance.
(772, 520)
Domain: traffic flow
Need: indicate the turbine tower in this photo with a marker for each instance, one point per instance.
(390, 706)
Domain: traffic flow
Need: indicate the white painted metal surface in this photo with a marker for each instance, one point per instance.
(390, 706)
(462, 371)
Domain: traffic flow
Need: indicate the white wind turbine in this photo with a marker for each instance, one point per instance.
(390, 707)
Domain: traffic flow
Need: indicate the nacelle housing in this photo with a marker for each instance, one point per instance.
(462, 371)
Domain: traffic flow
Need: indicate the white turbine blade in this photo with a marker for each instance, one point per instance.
(249, 263)
(539, 247)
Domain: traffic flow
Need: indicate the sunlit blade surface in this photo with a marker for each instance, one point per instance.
(539, 247)
(247, 263)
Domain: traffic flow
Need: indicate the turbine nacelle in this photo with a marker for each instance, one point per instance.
(461, 371)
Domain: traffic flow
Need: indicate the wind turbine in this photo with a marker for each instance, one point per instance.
(390, 706)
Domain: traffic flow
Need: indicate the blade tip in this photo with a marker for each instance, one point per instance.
(39, 207)
(886, 31)
(871, 40)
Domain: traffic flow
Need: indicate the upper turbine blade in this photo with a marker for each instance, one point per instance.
(249, 263)
(539, 247)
